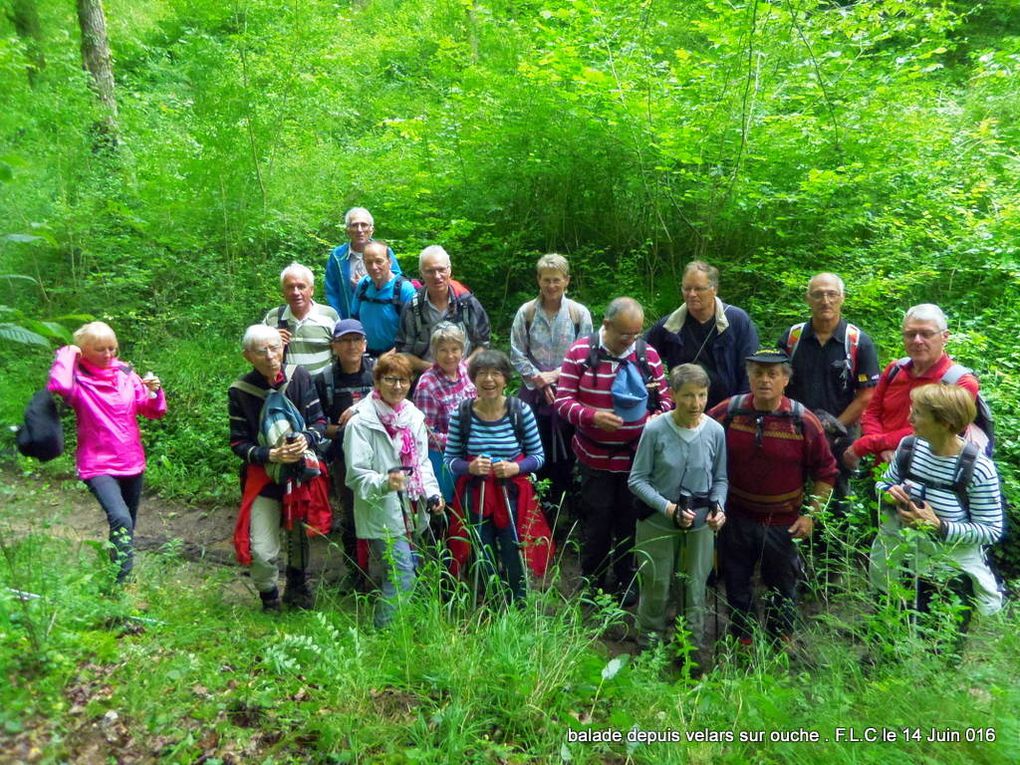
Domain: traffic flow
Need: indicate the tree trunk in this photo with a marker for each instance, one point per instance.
(25, 17)
(96, 58)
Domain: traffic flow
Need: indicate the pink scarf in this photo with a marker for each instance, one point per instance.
(397, 421)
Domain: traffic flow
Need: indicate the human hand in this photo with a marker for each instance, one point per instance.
(716, 519)
(285, 335)
(850, 459)
(919, 516)
(152, 383)
(396, 480)
(505, 469)
(290, 451)
(802, 527)
(346, 416)
(606, 419)
(887, 455)
(481, 465)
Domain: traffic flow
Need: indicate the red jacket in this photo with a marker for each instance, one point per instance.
(884, 423)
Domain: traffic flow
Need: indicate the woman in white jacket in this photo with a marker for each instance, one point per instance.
(388, 469)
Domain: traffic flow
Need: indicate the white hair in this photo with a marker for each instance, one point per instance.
(434, 251)
(357, 211)
(927, 312)
(259, 333)
(827, 275)
(298, 270)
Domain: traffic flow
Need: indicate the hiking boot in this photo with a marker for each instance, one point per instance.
(628, 596)
(297, 594)
(271, 601)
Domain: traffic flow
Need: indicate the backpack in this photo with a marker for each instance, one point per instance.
(984, 420)
(591, 361)
(851, 341)
(514, 407)
(41, 435)
(572, 308)
(962, 472)
(739, 405)
(367, 363)
(394, 300)
(277, 418)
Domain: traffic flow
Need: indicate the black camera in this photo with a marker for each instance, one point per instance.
(291, 437)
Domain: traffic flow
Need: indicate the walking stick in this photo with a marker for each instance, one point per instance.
(513, 529)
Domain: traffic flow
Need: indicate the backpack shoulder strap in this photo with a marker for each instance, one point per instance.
(905, 456)
(575, 316)
(464, 414)
(851, 341)
(641, 351)
(733, 408)
(279, 314)
(793, 338)
(529, 315)
(515, 412)
(898, 367)
(964, 472)
(955, 372)
(252, 390)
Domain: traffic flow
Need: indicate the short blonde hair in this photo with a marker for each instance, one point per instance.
(949, 405)
(552, 262)
(88, 334)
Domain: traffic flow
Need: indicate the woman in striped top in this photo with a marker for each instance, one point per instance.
(920, 481)
(491, 454)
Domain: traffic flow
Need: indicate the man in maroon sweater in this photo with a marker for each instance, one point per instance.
(774, 447)
(607, 433)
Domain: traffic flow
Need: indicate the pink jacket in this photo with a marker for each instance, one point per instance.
(106, 402)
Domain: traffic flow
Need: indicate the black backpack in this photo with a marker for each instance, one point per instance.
(41, 435)
(514, 410)
(394, 299)
(740, 405)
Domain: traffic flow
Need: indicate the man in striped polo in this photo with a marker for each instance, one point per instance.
(305, 326)
(610, 384)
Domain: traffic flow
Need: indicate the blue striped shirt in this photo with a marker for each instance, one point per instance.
(495, 439)
(984, 523)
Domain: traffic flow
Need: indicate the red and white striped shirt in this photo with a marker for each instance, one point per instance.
(581, 390)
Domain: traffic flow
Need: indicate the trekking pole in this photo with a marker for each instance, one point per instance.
(402, 499)
(715, 588)
(479, 552)
(513, 528)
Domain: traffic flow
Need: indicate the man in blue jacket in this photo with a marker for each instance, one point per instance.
(345, 266)
(708, 332)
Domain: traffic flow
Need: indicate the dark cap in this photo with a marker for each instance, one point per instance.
(769, 356)
(348, 327)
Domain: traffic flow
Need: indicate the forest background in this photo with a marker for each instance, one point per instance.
(877, 139)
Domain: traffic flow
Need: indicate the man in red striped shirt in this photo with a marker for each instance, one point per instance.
(609, 420)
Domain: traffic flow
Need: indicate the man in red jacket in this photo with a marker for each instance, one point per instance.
(884, 422)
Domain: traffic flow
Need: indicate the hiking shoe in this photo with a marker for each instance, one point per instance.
(299, 597)
(271, 601)
(629, 596)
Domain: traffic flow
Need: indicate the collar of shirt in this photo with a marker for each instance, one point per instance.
(602, 344)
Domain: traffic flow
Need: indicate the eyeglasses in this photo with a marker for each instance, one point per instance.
(696, 290)
(360, 225)
(487, 373)
(269, 350)
(396, 382)
(924, 334)
(352, 339)
(438, 271)
(824, 295)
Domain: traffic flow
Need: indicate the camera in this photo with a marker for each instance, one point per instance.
(291, 437)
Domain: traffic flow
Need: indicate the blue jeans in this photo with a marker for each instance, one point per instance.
(391, 564)
(119, 497)
(485, 534)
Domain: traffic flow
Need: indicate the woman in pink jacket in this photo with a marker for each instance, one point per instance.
(107, 396)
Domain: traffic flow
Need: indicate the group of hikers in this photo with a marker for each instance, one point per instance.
(689, 446)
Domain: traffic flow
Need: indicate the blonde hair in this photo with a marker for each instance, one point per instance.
(88, 334)
(949, 405)
(552, 262)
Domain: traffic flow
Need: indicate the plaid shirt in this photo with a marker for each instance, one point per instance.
(542, 346)
(438, 398)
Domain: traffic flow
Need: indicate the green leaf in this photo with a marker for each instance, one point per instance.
(15, 334)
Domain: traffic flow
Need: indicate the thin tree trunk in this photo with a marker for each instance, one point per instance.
(97, 61)
(25, 17)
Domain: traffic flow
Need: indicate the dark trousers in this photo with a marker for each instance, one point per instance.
(119, 497)
(556, 435)
(343, 518)
(744, 544)
(607, 507)
(493, 540)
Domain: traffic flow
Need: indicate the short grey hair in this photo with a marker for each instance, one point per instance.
(834, 277)
(296, 269)
(685, 374)
(357, 211)
(447, 332)
(711, 272)
(258, 333)
(434, 251)
(927, 312)
(552, 262)
(622, 305)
